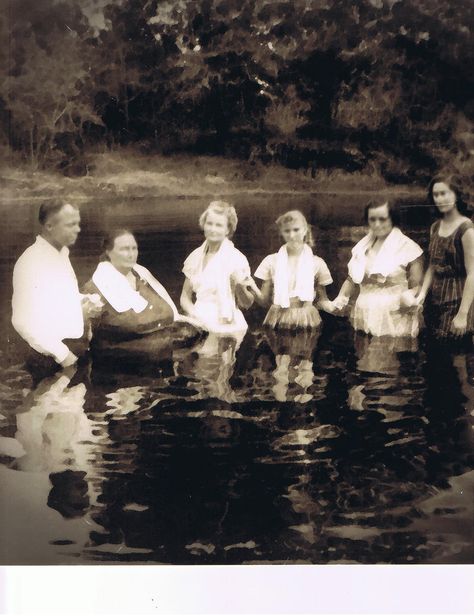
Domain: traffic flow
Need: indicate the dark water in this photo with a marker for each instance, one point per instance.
(329, 449)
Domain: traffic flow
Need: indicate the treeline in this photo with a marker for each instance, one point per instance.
(375, 85)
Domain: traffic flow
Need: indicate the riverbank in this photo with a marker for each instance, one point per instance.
(127, 173)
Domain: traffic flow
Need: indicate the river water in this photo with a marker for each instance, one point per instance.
(327, 449)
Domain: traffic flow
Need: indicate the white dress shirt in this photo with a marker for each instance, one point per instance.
(46, 303)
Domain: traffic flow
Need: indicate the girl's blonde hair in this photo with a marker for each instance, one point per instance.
(221, 207)
(296, 216)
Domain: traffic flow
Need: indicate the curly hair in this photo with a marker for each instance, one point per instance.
(295, 216)
(222, 208)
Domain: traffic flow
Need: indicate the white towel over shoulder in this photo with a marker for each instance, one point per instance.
(396, 251)
(304, 284)
(116, 289)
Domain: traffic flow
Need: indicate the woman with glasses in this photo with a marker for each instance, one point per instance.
(386, 267)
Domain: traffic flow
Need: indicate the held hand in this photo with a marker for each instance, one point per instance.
(70, 360)
(327, 306)
(459, 325)
(339, 303)
(92, 305)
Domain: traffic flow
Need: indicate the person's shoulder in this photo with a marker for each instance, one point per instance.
(29, 256)
(466, 228)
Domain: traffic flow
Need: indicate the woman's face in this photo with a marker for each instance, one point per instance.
(379, 220)
(215, 227)
(293, 233)
(123, 255)
(443, 197)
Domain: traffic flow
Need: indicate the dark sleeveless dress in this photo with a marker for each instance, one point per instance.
(449, 277)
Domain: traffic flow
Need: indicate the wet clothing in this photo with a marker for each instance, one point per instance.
(214, 286)
(46, 303)
(293, 292)
(449, 277)
(120, 326)
(383, 279)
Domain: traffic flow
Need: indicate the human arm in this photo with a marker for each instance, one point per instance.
(263, 295)
(322, 299)
(344, 295)
(459, 323)
(186, 298)
(425, 287)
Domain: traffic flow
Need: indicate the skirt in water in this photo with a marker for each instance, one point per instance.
(377, 311)
(299, 315)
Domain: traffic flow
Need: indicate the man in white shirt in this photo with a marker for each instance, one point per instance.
(47, 308)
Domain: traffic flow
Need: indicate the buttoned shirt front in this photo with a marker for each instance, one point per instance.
(46, 303)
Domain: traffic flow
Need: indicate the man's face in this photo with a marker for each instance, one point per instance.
(64, 226)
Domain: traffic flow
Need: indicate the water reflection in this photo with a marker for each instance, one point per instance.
(325, 448)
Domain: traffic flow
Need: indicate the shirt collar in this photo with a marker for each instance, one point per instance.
(45, 245)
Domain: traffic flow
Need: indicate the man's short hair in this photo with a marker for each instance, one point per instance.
(49, 208)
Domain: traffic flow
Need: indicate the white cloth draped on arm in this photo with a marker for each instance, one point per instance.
(46, 303)
(213, 283)
(116, 289)
(397, 250)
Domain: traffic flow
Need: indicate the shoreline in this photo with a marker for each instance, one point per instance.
(128, 174)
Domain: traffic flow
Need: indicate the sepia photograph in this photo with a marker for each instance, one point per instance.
(237, 282)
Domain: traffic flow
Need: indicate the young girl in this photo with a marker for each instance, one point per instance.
(214, 273)
(292, 278)
(450, 275)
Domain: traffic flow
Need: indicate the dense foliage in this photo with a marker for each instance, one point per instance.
(379, 85)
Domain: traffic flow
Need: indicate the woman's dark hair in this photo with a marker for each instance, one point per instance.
(454, 183)
(109, 241)
(393, 212)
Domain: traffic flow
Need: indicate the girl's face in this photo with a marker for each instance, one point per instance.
(444, 197)
(123, 255)
(379, 220)
(293, 233)
(215, 227)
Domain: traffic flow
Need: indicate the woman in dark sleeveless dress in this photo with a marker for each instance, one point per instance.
(139, 319)
(449, 278)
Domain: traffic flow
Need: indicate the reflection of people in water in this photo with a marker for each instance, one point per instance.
(293, 375)
(212, 365)
(57, 437)
(139, 318)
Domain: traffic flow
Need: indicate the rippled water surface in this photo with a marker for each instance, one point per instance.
(312, 449)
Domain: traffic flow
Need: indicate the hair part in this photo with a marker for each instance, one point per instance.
(453, 182)
(108, 242)
(393, 212)
(50, 208)
(224, 209)
(296, 216)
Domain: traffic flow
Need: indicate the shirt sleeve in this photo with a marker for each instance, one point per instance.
(30, 312)
(322, 273)
(265, 270)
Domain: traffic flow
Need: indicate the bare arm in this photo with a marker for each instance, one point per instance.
(459, 324)
(263, 295)
(425, 287)
(415, 274)
(344, 295)
(186, 299)
(322, 299)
